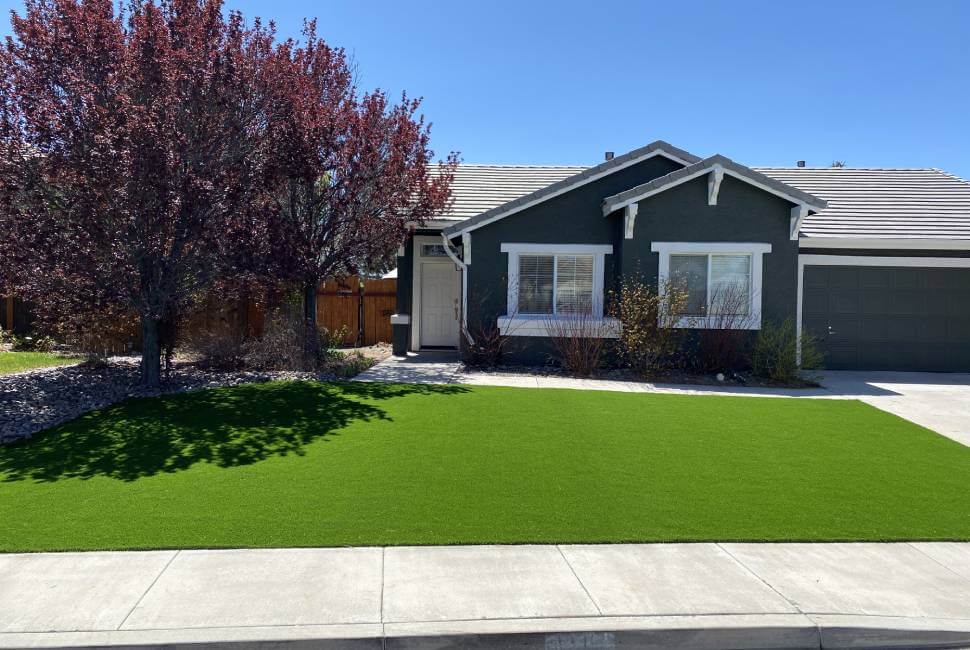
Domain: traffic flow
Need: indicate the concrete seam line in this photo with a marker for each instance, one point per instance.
(575, 575)
(927, 555)
(147, 589)
(763, 581)
(383, 555)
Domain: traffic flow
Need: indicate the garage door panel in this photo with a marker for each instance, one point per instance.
(874, 278)
(844, 302)
(876, 302)
(906, 302)
(958, 304)
(906, 279)
(816, 301)
(841, 277)
(882, 318)
(958, 330)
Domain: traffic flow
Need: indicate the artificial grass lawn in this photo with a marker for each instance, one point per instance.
(311, 464)
(20, 361)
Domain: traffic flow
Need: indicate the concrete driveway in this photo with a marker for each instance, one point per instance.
(937, 401)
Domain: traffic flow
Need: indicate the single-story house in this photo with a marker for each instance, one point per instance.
(874, 262)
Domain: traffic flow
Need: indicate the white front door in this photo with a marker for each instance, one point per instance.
(439, 304)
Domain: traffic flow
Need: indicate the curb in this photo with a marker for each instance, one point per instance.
(716, 632)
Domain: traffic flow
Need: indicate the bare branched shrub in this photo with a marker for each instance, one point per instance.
(280, 347)
(648, 341)
(775, 352)
(97, 339)
(722, 344)
(487, 346)
(217, 348)
(579, 342)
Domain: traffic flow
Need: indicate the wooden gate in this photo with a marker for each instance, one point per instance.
(362, 309)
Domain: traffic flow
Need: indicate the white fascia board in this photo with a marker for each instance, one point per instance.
(885, 243)
(570, 187)
(611, 208)
(562, 249)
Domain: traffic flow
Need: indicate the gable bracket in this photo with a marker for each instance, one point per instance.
(798, 214)
(629, 218)
(714, 184)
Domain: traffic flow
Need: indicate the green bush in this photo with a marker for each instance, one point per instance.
(33, 343)
(775, 352)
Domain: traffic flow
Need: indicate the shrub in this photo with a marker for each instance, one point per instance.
(723, 345)
(578, 343)
(282, 345)
(648, 342)
(775, 350)
(33, 343)
(221, 349)
(350, 364)
(488, 346)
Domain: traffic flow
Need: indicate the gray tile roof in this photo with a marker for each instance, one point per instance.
(611, 203)
(882, 203)
(478, 188)
(861, 202)
(579, 176)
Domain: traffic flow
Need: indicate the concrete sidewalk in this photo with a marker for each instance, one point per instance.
(655, 595)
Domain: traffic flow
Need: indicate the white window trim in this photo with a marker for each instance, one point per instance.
(755, 250)
(538, 324)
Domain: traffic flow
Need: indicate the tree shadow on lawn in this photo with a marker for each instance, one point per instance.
(226, 427)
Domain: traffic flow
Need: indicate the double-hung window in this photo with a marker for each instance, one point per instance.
(552, 281)
(718, 284)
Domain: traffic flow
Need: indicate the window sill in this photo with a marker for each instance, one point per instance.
(607, 328)
(705, 323)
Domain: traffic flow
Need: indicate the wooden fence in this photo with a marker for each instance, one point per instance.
(362, 310)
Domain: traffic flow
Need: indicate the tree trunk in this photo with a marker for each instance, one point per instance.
(310, 339)
(151, 353)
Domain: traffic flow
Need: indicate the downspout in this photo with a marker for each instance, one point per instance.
(463, 320)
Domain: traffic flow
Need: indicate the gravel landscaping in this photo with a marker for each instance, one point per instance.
(36, 400)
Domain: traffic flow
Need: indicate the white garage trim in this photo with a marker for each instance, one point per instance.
(864, 260)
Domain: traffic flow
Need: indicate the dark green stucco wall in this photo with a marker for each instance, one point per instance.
(681, 214)
(575, 217)
(405, 281)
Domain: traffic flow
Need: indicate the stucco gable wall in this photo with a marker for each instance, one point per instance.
(743, 213)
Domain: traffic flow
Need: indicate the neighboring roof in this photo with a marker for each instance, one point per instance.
(905, 203)
(580, 176)
(702, 167)
(478, 188)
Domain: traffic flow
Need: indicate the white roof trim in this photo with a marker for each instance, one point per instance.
(885, 243)
(580, 179)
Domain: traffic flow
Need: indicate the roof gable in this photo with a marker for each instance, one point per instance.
(715, 165)
(656, 148)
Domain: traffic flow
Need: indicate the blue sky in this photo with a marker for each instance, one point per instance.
(766, 83)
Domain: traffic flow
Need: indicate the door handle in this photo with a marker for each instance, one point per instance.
(456, 309)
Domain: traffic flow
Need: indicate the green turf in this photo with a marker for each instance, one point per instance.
(310, 464)
(20, 361)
